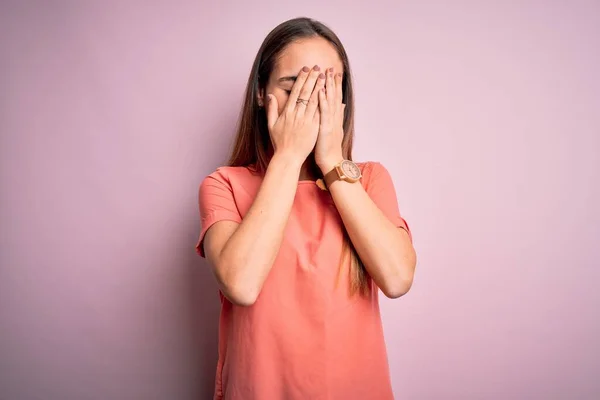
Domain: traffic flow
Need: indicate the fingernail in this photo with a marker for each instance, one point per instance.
(316, 68)
(305, 69)
(321, 76)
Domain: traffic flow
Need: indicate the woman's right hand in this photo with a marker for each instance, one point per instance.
(294, 132)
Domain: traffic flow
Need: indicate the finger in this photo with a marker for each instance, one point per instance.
(330, 86)
(307, 89)
(313, 103)
(323, 107)
(317, 117)
(339, 88)
(296, 88)
(272, 113)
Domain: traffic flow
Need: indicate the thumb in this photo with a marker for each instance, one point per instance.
(272, 113)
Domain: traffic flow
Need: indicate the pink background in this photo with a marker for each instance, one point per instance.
(487, 114)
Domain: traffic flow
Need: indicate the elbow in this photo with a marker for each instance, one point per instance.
(396, 289)
(400, 283)
(241, 299)
(238, 291)
(242, 295)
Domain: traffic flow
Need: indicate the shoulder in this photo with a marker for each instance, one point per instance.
(230, 179)
(369, 167)
(232, 174)
(371, 170)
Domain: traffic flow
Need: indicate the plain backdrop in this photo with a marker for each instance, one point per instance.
(486, 113)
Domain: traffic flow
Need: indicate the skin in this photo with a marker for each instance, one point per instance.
(308, 52)
(242, 254)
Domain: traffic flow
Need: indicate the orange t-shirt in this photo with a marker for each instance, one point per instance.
(304, 337)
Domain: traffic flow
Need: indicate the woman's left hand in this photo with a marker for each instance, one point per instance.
(328, 151)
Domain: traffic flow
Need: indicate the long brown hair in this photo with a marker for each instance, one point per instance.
(252, 146)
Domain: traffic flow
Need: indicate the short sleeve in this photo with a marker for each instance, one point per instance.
(216, 203)
(380, 188)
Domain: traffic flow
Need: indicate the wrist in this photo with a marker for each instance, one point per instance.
(286, 161)
(328, 164)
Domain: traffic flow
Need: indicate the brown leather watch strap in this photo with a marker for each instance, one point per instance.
(331, 176)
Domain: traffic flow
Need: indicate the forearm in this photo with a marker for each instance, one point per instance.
(250, 252)
(385, 250)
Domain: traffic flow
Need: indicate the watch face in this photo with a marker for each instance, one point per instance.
(350, 169)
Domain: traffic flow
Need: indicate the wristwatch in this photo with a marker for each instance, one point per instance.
(345, 170)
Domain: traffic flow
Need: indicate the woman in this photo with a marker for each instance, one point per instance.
(299, 237)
